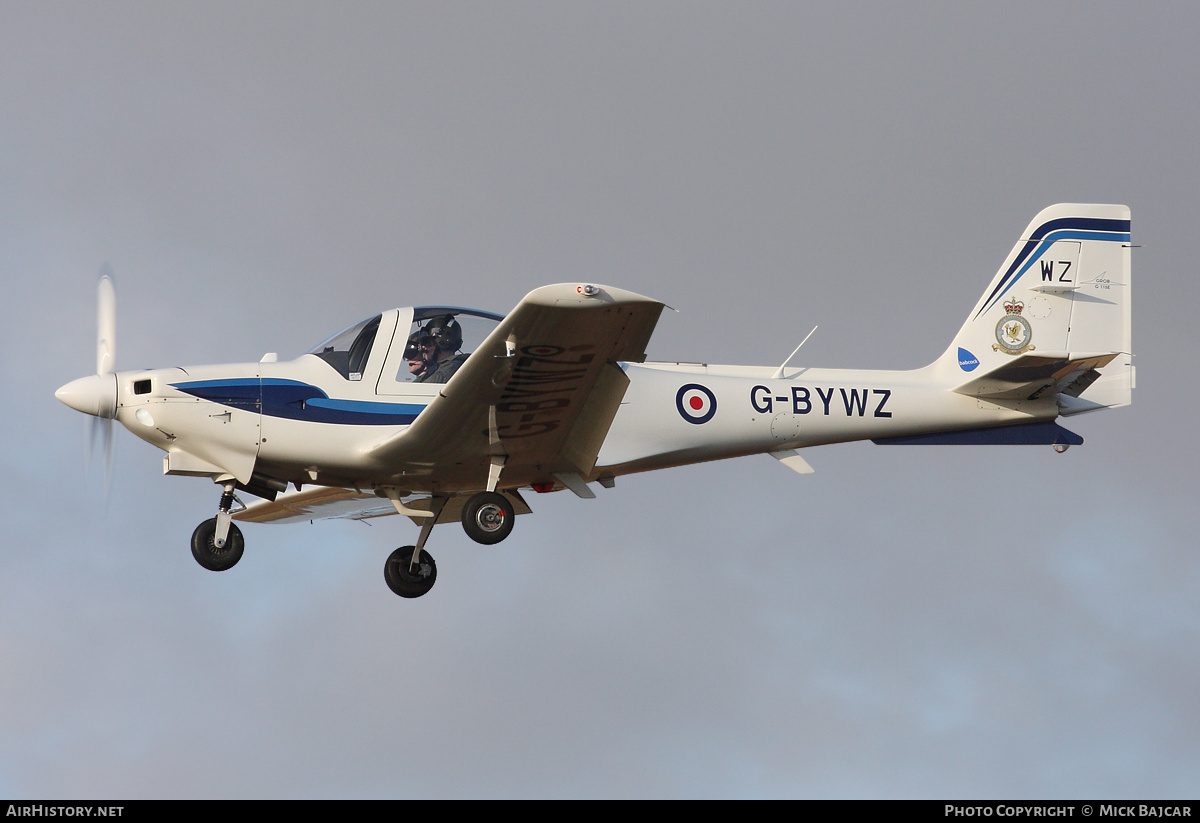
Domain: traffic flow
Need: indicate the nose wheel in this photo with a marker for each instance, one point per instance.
(211, 556)
(217, 544)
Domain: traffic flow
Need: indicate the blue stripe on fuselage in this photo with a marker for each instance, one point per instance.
(294, 400)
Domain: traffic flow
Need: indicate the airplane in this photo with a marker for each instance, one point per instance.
(445, 413)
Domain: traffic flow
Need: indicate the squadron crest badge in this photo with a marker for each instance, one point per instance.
(1013, 333)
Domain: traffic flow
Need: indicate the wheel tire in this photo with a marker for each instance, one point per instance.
(488, 518)
(206, 552)
(409, 583)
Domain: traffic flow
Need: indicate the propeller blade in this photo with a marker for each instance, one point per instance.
(90, 446)
(108, 455)
(98, 394)
(99, 428)
(106, 322)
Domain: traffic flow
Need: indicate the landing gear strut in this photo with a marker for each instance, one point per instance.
(487, 518)
(410, 570)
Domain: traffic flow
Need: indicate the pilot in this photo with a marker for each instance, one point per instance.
(440, 342)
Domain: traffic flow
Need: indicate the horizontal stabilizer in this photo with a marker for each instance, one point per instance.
(1034, 375)
(1025, 434)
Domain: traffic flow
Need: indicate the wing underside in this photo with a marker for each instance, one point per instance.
(321, 503)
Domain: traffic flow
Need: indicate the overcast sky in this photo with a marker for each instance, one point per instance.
(925, 621)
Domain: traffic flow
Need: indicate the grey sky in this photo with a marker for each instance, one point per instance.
(900, 623)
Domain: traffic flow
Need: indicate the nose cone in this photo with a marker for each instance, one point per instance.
(95, 394)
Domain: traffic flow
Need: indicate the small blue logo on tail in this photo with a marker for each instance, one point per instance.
(966, 360)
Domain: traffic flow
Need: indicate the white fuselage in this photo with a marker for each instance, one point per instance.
(756, 412)
(301, 422)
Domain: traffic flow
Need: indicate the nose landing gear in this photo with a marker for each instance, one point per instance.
(211, 556)
(217, 544)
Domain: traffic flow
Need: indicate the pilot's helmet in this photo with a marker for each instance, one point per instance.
(412, 351)
(445, 332)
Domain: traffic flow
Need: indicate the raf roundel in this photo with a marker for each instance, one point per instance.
(696, 403)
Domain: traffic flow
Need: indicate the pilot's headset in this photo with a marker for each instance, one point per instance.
(445, 332)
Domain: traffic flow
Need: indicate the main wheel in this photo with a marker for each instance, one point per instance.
(205, 550)
(408, 583)
(488, 518)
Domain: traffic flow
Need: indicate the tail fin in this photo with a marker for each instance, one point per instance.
(1056, 317)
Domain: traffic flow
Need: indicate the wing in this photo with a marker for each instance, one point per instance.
(537, 397)
(316, 503)
(321, 503)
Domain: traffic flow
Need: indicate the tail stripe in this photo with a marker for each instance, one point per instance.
(1067, 228)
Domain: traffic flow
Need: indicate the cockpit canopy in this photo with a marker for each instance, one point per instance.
(348, 351)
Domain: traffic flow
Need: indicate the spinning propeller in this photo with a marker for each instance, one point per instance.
(97, 394)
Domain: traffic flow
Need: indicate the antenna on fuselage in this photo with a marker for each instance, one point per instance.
(779, 371)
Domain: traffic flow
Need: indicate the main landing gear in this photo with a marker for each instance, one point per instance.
(406, 578)
(487, 518)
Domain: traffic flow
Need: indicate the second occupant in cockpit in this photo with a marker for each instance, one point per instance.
(440, 341)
